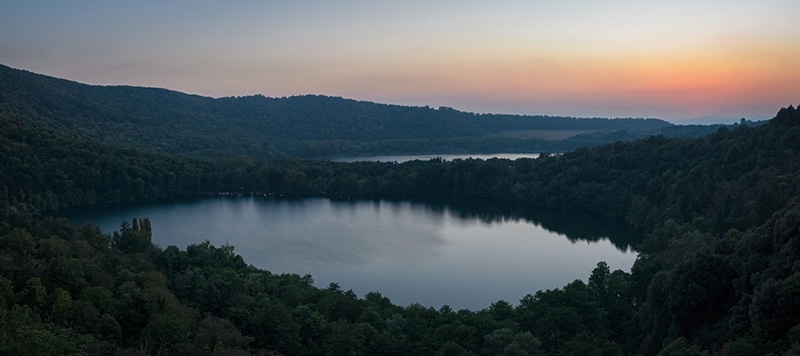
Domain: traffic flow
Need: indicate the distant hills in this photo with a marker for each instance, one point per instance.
(164, 121)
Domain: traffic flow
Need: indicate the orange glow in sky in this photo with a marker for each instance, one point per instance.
(678, 60)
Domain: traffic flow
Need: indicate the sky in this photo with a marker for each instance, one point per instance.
(678, 60)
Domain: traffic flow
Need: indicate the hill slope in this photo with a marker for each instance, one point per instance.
(160, 120)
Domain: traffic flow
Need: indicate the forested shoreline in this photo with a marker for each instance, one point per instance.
(716, 272)
(645, 181)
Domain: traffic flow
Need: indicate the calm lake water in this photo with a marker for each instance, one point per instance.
(465, 255)
(446, 157)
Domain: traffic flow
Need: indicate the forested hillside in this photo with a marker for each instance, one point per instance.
(716, 274)
(162, 121)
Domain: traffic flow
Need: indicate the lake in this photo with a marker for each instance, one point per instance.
(463, 254)
(427, 157)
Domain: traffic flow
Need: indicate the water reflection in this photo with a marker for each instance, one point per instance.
(466, 253)
(575, 226)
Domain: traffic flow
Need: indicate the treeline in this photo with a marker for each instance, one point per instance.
(716, 272)
(43, 170)
(162, 121)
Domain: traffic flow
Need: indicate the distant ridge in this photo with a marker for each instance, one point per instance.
(161, 120)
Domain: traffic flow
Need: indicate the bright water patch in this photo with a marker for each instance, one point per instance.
(427, 157)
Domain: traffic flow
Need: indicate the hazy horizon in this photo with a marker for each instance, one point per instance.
(682, 61)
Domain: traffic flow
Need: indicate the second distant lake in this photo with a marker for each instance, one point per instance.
(462, 254)
(426, 157)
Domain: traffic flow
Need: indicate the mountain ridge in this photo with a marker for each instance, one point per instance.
(168, 121)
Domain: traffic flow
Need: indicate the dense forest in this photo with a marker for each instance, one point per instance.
(162, 121)
(716, 271)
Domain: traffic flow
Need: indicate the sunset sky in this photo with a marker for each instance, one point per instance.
(715, 61)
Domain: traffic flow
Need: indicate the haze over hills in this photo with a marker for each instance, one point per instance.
(165, 121)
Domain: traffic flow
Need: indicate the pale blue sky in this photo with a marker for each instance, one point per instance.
(670, 59)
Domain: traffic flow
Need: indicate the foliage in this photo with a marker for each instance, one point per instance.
(717, 272)
(162, 121)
